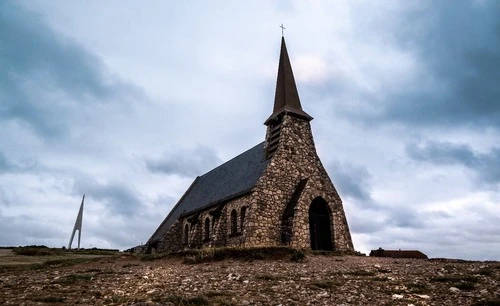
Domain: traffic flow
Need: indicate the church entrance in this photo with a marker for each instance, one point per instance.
(320, 225)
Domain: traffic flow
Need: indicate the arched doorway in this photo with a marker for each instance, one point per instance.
(320, 225)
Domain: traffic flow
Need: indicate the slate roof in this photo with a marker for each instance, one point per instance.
(398, 253)
(233, 178)
(286, 99)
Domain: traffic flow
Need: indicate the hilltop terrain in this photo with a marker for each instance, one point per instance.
(124, 279)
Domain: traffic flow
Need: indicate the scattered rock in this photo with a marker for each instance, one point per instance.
(319, 280)
(233, 276)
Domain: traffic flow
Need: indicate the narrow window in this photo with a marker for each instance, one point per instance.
(186, 233)
(234, 222)
(207, 228)
(243, 213)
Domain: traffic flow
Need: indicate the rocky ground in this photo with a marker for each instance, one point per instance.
(318, 280)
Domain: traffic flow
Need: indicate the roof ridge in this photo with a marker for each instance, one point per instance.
(219, 166)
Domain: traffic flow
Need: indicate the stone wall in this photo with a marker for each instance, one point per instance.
(220, 233)
(295, 159)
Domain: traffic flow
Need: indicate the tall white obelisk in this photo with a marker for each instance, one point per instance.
(78, 226)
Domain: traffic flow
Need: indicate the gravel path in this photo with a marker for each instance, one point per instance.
(319, 280)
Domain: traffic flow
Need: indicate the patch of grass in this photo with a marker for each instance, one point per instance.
(418, 287)
(325, 284)
(486, 272)
(495, 302)
(360, 273)
(465, 286)
(211, 294)
(327, 253)
(108, 272)
(245, 254)
(37, 250)
(297, 255)
(74, 278)
(66, 262)
(184, 301)
(95, 251)
(114, 299)
(152, 257)
(49, 299)
(454, 279)
(449, 267)
(222, 301)
(268, 277)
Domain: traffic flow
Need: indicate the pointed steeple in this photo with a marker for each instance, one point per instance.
(286, 99)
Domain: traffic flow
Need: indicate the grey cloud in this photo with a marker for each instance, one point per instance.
(456, 52)
(16, 166)
(378, 218)
(188, 163)
(445, 235)
(351, 180)
(44, 77)
(4, 200)
(120, 199)
(4, 163)
(458, 46)
(484, 165)
(27, 230)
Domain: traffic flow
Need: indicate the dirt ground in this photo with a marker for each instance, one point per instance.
(318, 280)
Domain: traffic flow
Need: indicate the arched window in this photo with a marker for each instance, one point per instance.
(234, 222)
(242, 217)
(207, 228)
(186, 233)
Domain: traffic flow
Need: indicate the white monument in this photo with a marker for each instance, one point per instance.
(78, 226)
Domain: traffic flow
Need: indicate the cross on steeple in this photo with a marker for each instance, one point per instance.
(282, 29)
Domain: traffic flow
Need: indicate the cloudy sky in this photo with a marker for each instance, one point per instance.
(127, 101)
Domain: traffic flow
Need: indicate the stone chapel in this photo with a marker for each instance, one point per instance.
(275, 194)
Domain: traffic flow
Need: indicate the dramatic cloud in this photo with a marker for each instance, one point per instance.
(352, 181)
(484, 165)
(45, 78)
(119, 199)
(457, 50)
(188, 163)
(4, 163)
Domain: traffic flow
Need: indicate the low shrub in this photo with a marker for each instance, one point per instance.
(245, 254)
(49, 299)
(418, 287)
(465, 286)
(34, 250)
(298, 255)
(360, 273)
(325, 284)
(495, 302)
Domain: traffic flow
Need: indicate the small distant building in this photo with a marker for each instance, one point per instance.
(398, 254)
(137, 249)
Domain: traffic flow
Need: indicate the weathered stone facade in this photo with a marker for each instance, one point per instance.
(292, 203)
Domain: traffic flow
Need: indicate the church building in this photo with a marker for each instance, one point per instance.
(275, 194)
